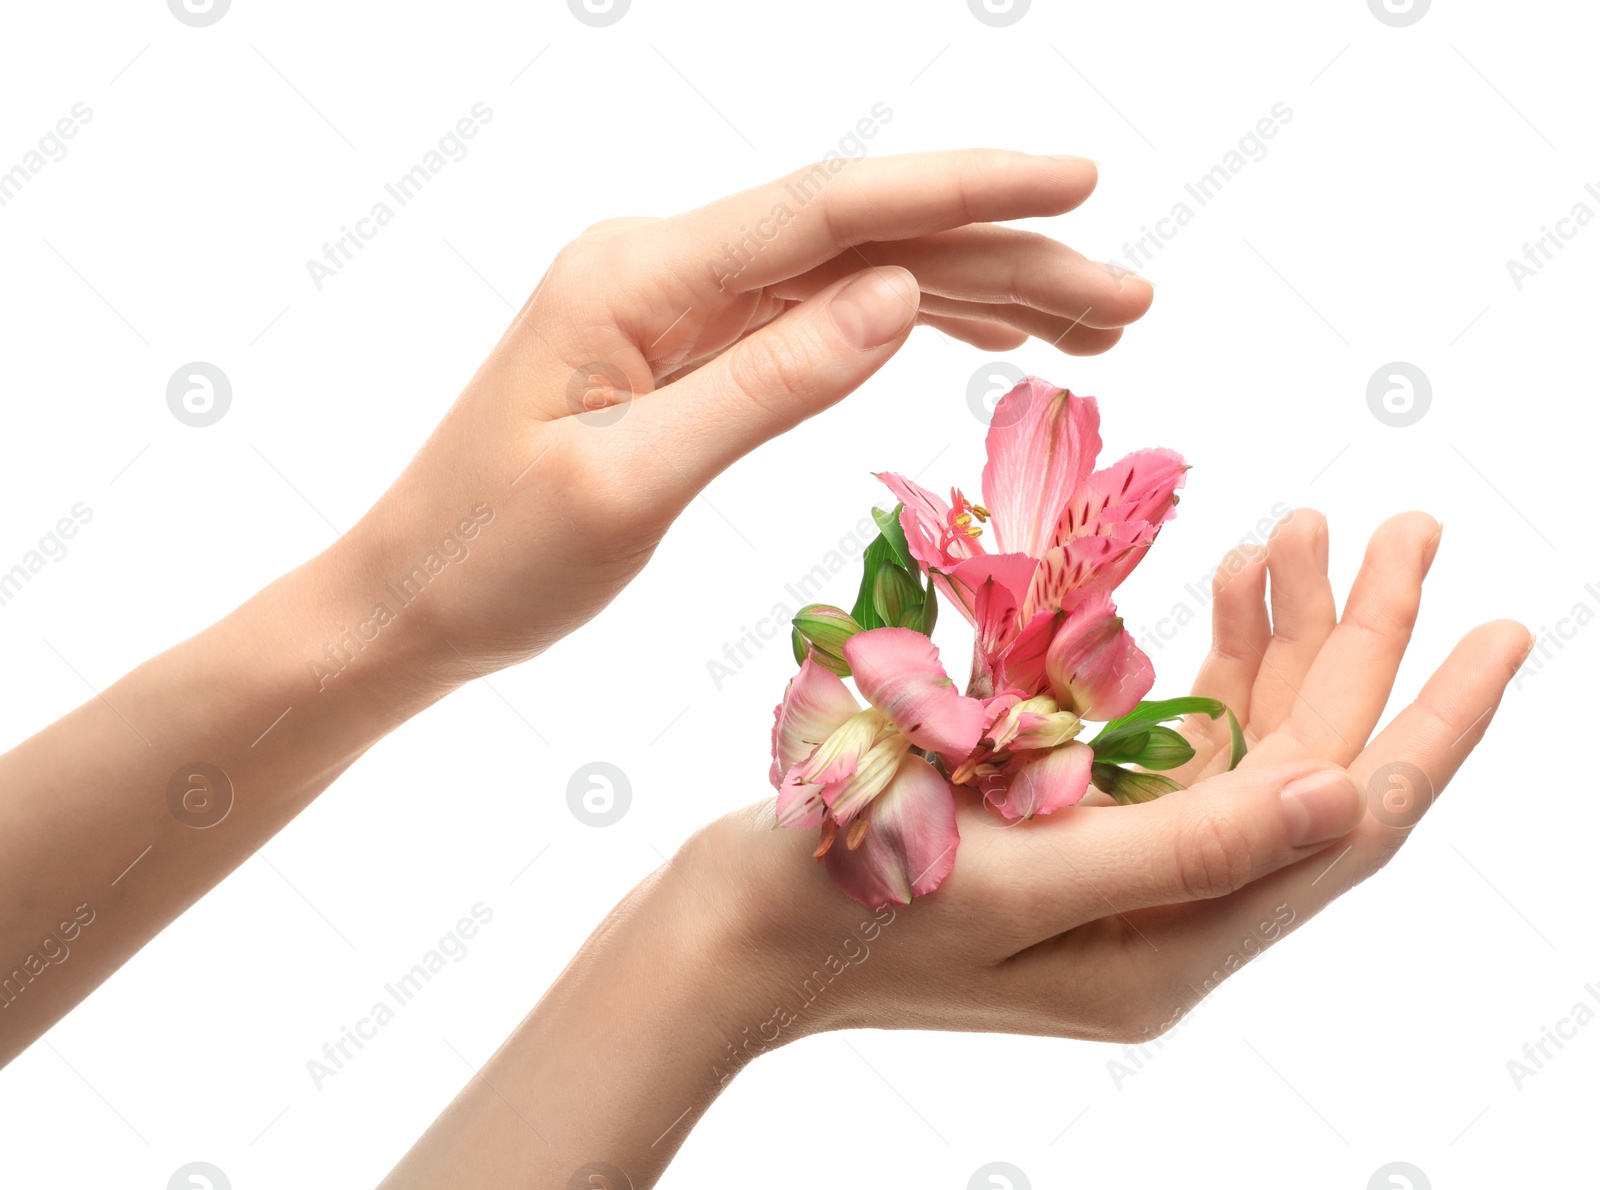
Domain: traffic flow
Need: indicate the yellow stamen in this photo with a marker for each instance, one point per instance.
(964, 519)
(857, 832)
(980, 512)
(974, 531)
(964, 771)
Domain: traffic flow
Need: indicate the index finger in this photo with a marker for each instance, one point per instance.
(795, 223)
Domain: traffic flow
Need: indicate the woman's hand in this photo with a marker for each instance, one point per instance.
(519, 519)
(1110, 922)
(1099, 921)
(655, 352)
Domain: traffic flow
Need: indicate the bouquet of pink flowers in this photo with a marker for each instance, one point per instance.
(1049, 653)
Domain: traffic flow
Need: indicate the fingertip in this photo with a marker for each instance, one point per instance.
(1091, 342)
(1320, 806)
(1510, 638)
(1244, 559)
(875, 307)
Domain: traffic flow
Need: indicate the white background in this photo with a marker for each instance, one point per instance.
(1376, 228)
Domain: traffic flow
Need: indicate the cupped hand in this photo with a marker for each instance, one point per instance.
(655, 352)
(1110, 922)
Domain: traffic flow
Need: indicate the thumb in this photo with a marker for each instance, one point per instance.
(1210, 839)
(797, 365)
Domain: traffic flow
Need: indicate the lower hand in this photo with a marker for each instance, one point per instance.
(1099, 921)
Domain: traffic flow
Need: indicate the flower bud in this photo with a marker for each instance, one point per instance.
(824, 629)
(897, 597)
(1129, 787)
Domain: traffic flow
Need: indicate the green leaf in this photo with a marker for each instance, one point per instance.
(879, 553)
(889, 526)
(799, 643)
(1129, 787)
(1237, 733)
(1158, 711)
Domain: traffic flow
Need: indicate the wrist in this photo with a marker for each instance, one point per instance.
(365, 624)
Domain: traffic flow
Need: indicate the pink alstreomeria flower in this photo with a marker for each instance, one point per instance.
(1061, 533)
(865, 771)
(1050, 650)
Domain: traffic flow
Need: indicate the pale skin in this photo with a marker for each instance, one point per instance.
(1100, 922)
(715, 366)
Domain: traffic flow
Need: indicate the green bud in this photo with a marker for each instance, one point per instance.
(897, 597)
(823, 629)
(1163, 749)
(1129, 787)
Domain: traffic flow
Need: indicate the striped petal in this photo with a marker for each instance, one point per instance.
(1042, 445)
(1095, 669)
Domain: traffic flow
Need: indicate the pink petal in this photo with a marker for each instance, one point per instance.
(1095, 669)
(910, 844)
(1012, 574)
(814, 703)
(800, 804)
(1070, 572)
(926, 522)
(1046, 782)
(898, 671)
(1139, 488)
(1020, 666)
(1042, 445)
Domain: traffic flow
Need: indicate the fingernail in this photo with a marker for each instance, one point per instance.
(1320, 807)
(1431, 549)
(1074, 159)
(875, 308)
(1121, 274)
(1320, 544)
(1532, 640)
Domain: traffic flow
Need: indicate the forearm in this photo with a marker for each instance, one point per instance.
(617, 1061)
(739, 945)
(105, 835)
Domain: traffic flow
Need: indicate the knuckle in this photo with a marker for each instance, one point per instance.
(1392, 618)
(769, 364)
(1213, 857)
(577, 258)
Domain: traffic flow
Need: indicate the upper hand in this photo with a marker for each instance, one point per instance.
(708, 333)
